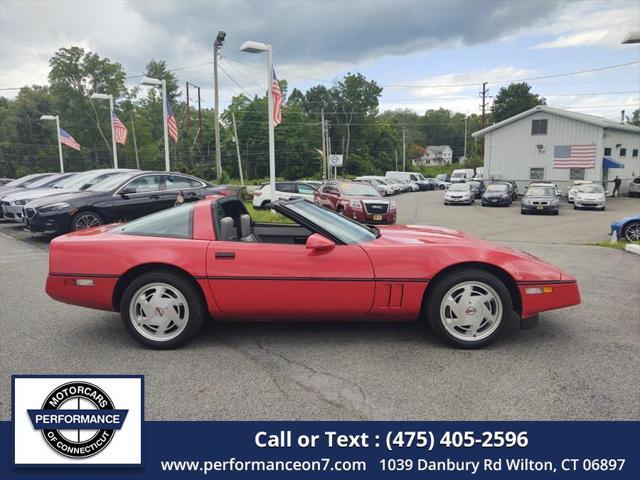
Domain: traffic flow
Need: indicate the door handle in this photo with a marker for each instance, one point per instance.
(154, 197)
(229, 255)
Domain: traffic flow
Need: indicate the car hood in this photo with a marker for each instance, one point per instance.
(361, 197)
(9, 191)
(537, 199)
(63, 197)
(590, 196)
(35, 193)
(624, 220)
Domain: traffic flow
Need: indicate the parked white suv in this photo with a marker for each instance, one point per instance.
(573, 188)
(284, 191)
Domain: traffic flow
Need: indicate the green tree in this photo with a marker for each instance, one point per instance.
(514, 99)
(158, 69)
(635, 118)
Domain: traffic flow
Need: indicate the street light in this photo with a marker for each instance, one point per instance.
(57, 119)
(154, 82)
(104, 96)
(258, 47)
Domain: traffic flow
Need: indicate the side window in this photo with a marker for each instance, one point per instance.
(576, 174)
(413, 177)
(173, 222)
(328, 189)
(536, 174)
(539, 127)
(607, 151)
(634, 152)
(623, 152)
(305, 189)
(177, 182)
(148, 183)
(286, 187)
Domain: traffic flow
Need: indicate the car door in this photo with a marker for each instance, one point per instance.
(252, 280)
(305, 191)
(191, 188)
(137, 198)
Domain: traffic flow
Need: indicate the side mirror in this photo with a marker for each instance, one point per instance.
(318, 243)
(126, 191)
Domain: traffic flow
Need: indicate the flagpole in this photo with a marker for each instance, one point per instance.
(167, 162)
(272, 147)
(59, 144)
(113, 134)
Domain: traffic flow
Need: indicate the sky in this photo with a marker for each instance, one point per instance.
(425, 54)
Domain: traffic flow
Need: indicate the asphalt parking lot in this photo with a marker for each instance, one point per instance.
(579, 363)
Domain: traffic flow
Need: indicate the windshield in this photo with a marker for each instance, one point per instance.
(497, 188)
(541, 192)
(459, 187)
(347, 231)
(457, 175)
(591, 189)
(46, 181)
(442, 177)
(111, 182)
(359, 189)
(24, 181)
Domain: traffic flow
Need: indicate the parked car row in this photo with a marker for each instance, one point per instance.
(59, 203)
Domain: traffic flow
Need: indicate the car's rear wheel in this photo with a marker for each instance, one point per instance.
(469, 309)
(632, 232)
(86, 219)
(162, 310)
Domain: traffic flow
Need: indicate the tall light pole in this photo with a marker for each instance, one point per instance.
(57, 119)
(258, 47)
(217, 43)
(154, 82)
(104, 96)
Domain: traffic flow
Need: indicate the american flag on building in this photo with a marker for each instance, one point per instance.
(277, 100)
(68, 140)
(119, 130)
(574, 156)
(171, 124)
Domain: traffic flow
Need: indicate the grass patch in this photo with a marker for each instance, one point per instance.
(617, 245)
(265, 216)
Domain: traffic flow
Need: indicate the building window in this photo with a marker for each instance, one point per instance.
(623, 152)
(576, 174)
(537, 174)
(539, 127)
(634, 153)
(607, 151)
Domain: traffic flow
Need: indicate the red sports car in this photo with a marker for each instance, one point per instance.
(167, 272)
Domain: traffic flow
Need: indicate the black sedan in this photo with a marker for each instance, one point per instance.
(497, 194)
(120, 197)
(540, 199)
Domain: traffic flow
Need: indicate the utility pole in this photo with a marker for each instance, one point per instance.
(188, 105)
(484, 93)
(135, 141)
(217, 43)
(465, 136)
(404, 150)
(324, 146)
(396, 152)
(235, 133)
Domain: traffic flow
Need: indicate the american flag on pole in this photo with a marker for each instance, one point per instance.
(277, 100)
(119, 130)
(171, 123)
(574, 156)
(68, 140)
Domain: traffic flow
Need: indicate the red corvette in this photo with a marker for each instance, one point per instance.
(165, 273)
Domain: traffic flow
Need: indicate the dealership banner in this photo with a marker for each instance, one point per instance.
(94, 427)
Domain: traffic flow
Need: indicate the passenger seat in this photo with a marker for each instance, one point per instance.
(228, 232)
(246, 229)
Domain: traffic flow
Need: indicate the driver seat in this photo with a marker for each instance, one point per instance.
(246, 229)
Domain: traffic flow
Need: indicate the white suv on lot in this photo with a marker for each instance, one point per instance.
(284, 191)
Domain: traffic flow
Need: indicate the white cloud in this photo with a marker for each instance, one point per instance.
(581, 39)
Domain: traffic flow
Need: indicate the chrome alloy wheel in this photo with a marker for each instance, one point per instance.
(632, 232)
(471, 311)
(86, 220)
(159, 312)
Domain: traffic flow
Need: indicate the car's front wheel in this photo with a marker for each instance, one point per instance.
(162, 310)
(632, 232)
(85, 219)
(469, 308)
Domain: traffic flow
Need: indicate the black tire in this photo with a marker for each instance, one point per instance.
(443, 285)
(186, 287)
(557, 212)
(82, 219)
(441, 187)
(626, 232)
(575, 207)
(522, 212)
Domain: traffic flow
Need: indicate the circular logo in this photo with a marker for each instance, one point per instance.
(78, 443)
(471, 310)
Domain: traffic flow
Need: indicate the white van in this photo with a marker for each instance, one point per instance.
(413, 178)
(479, 173)
(462, 175)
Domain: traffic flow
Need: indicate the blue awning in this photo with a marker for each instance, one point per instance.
(608, 162)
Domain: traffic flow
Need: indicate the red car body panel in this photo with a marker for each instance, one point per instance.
(384, 279)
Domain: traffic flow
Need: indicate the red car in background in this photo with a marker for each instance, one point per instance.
(357, 200)
(168, 272)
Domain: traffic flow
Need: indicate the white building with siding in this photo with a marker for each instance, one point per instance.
(521, 148)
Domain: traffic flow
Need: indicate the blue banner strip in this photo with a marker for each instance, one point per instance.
(77, 419)
(366, 450)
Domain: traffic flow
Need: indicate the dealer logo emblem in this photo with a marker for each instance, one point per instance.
(78, 419)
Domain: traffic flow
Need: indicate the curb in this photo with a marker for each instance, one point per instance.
(632, 248)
